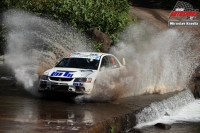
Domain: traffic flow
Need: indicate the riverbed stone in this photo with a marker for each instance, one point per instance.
(163, 126)
(197, 92)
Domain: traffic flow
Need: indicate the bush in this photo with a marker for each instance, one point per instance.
(106, 15)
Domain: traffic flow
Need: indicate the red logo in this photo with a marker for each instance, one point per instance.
(184, 9)
(183, 13)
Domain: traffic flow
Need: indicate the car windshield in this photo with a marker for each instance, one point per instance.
(84, 63)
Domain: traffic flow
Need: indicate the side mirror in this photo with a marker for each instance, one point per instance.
(123, 62)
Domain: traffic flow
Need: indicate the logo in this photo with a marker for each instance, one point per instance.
(64, 74)
(77, 84)
(183, 14)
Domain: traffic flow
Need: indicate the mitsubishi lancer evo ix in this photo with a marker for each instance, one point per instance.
(77, 72)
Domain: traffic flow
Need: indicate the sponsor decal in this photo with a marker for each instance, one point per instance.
(78, 55)
(64, 74)
(183, 10)
(77, 84)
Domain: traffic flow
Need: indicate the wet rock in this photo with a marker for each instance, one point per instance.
(163, 126)
(197, 92)
(135, 131)
(197, 73)
(166, 114)
(99, 36)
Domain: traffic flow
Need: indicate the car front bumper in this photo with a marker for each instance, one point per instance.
(69, 87)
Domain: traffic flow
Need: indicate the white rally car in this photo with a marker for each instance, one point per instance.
(77, 72)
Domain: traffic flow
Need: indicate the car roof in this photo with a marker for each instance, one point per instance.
(91, 53)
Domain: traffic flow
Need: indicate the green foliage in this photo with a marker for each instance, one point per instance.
(109, 16)
(112, 130)
(135, 19)
(97, 46)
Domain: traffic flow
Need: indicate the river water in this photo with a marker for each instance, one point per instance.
(185, 120)
(23, 112)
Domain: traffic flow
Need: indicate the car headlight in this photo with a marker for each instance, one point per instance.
(86, 80)
(44, 77)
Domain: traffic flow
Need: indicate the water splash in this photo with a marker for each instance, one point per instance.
(157, 62)
(34, 44)
(109, 86)
(179, 108)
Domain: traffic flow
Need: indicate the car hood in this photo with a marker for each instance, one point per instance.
(69, 72)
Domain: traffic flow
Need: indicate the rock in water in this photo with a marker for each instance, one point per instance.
(197, 92)
(163, 126)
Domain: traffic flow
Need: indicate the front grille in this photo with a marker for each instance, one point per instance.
(60, 79)
(60, 87)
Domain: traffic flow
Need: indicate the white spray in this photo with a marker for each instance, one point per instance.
(34, 44)
(157, 61)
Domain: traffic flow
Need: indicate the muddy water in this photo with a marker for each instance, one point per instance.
(175, 128)
(21, 111)
(185, 120)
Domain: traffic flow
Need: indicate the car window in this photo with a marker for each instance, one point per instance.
(109, 62)
(64, 62)
(84, 63)
(113, 62)
(105, 62)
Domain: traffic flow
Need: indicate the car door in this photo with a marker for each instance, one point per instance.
(105, 64)
(109, 62)
(113, 63)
